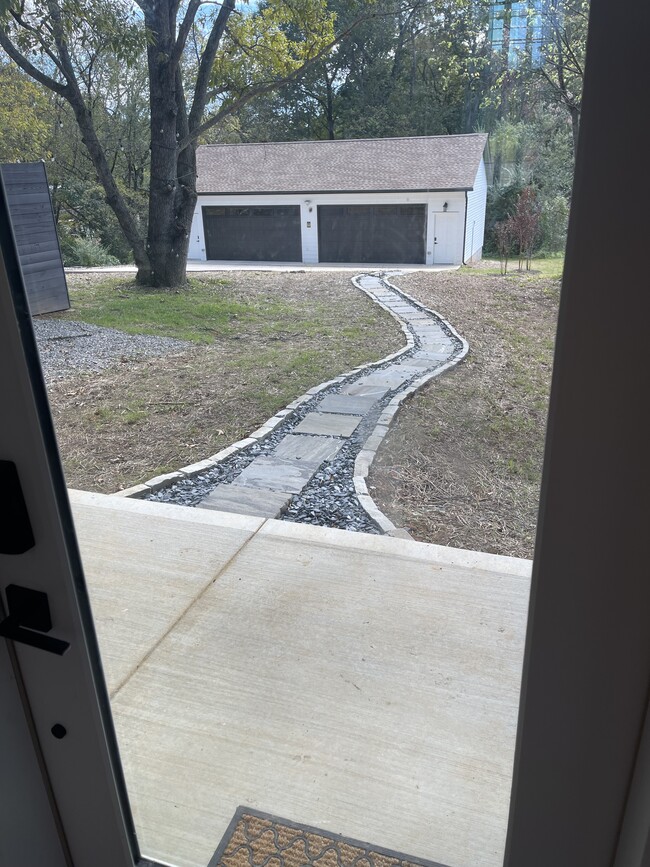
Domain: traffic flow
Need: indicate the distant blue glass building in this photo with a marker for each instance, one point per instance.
(522, 29)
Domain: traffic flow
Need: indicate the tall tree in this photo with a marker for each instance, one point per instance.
(564, 58)
(204, 62)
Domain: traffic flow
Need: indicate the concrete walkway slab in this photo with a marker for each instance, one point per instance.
(243, 500)
(347, 404)
(144, 579)
(328, 424)
(311, 450)
(268, 473)
(361, 684)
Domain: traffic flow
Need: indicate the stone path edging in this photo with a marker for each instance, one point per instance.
(168, 479)
(367, 455)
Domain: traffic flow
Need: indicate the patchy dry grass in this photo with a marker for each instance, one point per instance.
(262, 339)
(462, 464)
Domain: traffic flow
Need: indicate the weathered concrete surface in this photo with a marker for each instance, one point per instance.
(358, 683)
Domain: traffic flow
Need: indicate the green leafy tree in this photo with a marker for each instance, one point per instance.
(204, 62)
(120, 116)
(24, 109)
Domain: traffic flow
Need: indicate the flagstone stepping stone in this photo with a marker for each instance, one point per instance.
(311, 451)
(328, 423)
(267, 472)
(361, 387)
(433, 353)
(390, 378)
(431, 360)
(349, 404)
(242, 500)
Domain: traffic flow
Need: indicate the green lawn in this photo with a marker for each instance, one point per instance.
(201, 312)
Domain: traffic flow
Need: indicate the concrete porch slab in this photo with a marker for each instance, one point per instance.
(149, 562)
(361, 684)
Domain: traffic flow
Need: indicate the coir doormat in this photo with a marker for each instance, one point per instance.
(255, 839)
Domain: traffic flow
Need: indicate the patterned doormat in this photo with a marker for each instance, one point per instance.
(255, 839)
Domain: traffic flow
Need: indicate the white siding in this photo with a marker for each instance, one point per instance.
(475, 218)
(309, 215)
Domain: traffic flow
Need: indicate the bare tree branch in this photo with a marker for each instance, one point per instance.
(184, 30)
(28, 67)
(207, 62)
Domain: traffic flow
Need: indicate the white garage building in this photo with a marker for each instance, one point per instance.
(415, 200)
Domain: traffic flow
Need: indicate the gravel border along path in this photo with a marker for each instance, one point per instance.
(309, 463)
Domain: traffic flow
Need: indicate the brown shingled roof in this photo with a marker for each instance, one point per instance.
(445, 162)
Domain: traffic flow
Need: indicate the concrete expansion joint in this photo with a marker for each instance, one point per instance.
(334, 426)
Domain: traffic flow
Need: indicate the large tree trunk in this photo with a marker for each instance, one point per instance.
(172, 188)
(331, 134)
(168, 231)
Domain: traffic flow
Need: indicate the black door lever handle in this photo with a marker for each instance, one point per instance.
(29, 620)
(11, 629)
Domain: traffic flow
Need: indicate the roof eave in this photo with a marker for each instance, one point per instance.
(329, 192)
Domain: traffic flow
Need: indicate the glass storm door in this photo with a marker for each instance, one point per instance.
(582, 776)
(64, 801)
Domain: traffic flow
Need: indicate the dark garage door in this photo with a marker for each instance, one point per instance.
(265, 234)
(371, 233)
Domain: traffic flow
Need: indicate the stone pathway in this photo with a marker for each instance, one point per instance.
(350, 414)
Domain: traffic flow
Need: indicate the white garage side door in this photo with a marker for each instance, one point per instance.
(445, 237)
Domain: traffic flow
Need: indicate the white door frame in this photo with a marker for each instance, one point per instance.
(587, 661)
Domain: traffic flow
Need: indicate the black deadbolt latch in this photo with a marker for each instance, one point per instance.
(16, 535)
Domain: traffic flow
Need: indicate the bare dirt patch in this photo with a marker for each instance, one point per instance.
(143, 417)
(462, 464)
